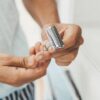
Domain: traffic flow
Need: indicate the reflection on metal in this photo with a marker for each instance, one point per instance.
(54, 37)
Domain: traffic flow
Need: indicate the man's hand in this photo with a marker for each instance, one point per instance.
(45, 12)
(72, 38)
(17, 71)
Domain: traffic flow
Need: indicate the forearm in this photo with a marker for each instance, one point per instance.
(43, 11)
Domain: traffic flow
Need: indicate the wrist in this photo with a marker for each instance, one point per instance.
(50, 20)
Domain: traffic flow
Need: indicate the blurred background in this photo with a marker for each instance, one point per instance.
(85, 13)
(88, 12)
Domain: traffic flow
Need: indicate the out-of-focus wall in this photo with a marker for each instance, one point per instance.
(66, 10)
(87, 11)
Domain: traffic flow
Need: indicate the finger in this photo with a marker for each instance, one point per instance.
(80, 42)
(44, 63)
(64, 52)
(48, 47)
(44, 45)
(32, 74)
(71, 36)
(28, 62)
(20, 76)
(68, 58)
(60, 53)
(25, 62)
(46, 56)
(32, 51)
(63, 63)
(37, 47)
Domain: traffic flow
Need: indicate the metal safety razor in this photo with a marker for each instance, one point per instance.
(54, 37)
(54, 41)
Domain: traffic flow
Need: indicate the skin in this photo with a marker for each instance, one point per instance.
(71, 34)
(43, 11)
(17, 71)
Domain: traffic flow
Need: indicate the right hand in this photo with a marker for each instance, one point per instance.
(17, 71)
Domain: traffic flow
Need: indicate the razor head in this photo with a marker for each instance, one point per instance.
(54, 37)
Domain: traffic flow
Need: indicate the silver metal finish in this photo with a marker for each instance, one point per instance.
(54, 37)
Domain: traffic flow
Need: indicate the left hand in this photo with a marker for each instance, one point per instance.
(72, 38)
(17, 71)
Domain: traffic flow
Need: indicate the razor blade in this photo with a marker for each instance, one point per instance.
(54, 37)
